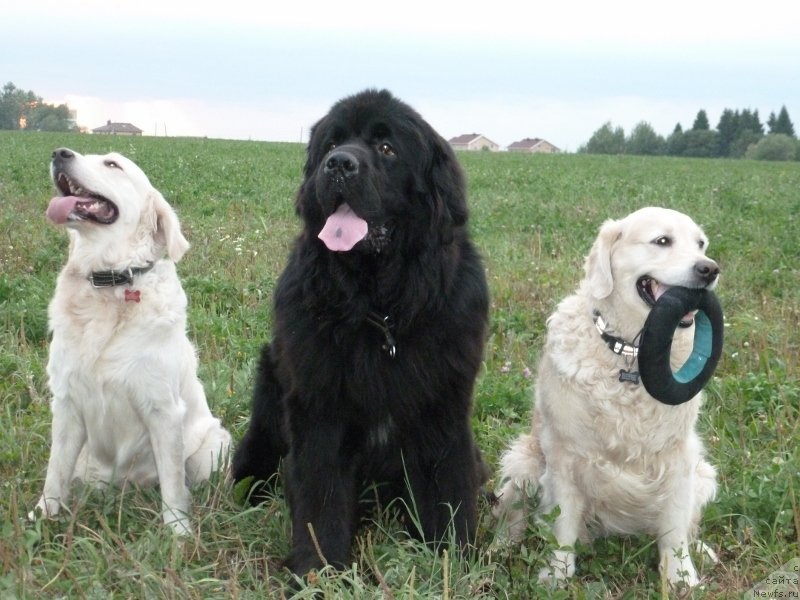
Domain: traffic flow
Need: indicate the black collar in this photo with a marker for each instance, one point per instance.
(385, 325)
(616, 344)
(104, 279)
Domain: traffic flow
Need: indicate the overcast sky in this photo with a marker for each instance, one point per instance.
(268, 70)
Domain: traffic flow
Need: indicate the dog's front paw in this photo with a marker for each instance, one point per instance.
(686, 578)
(46, 507)
(178, 522)
(561, 568)
(679, 570)
(302, 561)
(552, 577)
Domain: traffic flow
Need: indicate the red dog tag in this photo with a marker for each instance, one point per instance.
(133, 296)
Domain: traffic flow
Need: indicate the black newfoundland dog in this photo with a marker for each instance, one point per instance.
(380, 320)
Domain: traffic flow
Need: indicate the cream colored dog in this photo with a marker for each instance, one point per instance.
(127, 403)
(611, 457)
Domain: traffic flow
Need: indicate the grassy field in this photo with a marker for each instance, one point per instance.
(534, 218)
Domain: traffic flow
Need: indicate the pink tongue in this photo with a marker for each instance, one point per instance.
(60, 207)
(659, 291)
(343, 229)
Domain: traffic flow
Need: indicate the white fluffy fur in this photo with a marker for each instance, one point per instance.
(127, 403)
(613, 458)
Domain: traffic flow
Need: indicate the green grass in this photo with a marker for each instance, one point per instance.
(534, 218)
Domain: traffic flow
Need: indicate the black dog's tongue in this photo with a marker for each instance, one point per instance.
(343, 229)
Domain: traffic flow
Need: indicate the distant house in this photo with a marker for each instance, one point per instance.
(533, 145)
(117, 129)
(473, 141)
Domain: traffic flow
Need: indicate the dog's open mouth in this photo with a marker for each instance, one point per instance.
(650, 290)
(79, 204)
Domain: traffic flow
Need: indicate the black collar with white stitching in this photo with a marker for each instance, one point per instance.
(616, 344)
(112, 278)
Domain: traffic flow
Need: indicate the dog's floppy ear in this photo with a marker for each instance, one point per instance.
(168, 228)
(598, 262)
(448, 187)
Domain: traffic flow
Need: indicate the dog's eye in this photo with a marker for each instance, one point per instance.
(663, 241)
(330, 146)
(112, 165)
(386, 149)
(702, 244)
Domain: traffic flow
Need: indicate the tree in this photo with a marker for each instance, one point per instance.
(701, 122)
(606, 140)
(782, 123)
(20, 109)
(746, 139)
(12, 106)
(775, 146)
(676, 142)
(701, 143)
(728, 130)
(644, 140)
(749, 131)
(47, 117)
(736, 132)
(749, 121)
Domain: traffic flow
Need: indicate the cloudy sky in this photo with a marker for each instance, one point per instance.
(267, 70)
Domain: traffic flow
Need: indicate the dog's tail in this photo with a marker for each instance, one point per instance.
(521, 467)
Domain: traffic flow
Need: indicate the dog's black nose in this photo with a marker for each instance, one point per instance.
(707, 270)
(62, 154)
(342, 163)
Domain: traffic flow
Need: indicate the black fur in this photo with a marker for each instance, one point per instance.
(329, 398)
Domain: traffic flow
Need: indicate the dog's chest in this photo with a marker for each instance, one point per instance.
(92, 327)
(628, 432)
(379, 434)
(116, 437)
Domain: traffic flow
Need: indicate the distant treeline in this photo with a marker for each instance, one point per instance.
(25, 110)
(739, 134)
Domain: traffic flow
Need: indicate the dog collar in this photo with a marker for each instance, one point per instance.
(616, 344)
(385, 325)
(104, 279)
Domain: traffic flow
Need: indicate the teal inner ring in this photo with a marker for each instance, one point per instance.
(701, 351)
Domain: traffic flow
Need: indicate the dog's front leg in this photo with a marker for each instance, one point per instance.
(166, 437)
(673, 543)
(558, 490)
(445, 493)
(68, 437)
(321, 486)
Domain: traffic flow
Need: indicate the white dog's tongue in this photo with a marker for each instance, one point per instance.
(659, 291)
(343, 229)
(60, 207)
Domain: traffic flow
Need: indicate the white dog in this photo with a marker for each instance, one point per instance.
(127, 403)
(611, 457)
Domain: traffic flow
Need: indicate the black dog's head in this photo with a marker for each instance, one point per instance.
(378, 177)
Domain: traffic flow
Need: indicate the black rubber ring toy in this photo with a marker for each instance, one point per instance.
(656, 344)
